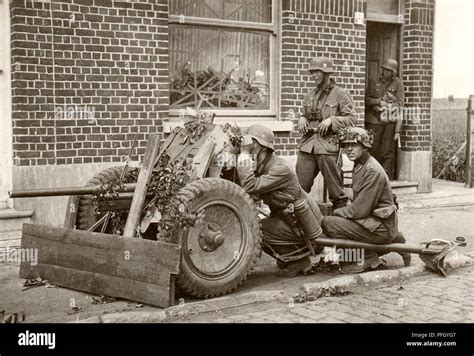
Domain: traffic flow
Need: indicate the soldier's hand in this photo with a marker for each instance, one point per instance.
(396, 136)
(325, 125)
(303, 125)
(245, 144)
(338, 212)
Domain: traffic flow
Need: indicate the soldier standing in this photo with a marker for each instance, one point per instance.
(372, 216)
(384, 103)
(326, 109)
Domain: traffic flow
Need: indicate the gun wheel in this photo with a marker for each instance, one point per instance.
(220, 252)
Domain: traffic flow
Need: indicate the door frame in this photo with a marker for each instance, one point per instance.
(6, 131)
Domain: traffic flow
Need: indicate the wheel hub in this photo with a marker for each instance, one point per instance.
(214, 246)
(210, 237)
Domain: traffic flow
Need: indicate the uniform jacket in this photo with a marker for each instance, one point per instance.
(391, 91)
(339, 105)
(371, 191)
(275, 183)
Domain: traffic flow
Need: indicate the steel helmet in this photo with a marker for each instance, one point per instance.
(324, 64)
(262, 134)
(356, 135)
(390, 64)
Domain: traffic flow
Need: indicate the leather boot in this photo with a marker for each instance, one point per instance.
(281, 264)
(371, 262)
(400, 239)
(295, 268)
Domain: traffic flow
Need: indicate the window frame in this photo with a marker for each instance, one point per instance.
(273, 29)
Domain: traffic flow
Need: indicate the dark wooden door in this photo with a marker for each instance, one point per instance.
(382, 43)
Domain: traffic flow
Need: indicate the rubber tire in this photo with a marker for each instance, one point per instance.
(203, 191)
(85, 211)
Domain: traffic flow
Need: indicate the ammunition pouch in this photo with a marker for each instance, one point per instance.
(385, 212)
(388, 218)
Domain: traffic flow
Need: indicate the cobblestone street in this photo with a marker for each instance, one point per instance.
(433, 299)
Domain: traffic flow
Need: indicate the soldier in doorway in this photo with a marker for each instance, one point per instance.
(384, 102)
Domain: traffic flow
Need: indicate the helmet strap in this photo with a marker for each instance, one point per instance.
(327, 84)
(263, 156)
(326, 80)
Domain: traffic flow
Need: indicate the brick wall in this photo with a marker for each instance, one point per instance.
(314, 28)
(105, 60)
(417, 72)
(111, 57)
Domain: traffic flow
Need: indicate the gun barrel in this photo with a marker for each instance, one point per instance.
(53, 192)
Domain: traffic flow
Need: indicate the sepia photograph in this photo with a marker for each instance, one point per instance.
(192, 167)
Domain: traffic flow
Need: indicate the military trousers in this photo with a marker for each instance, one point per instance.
(383, 148)
(338, 227)
(308, 165)
(282, 235)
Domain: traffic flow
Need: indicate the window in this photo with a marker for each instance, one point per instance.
(222, 55)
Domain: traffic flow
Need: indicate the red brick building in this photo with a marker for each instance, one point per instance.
(79, 78)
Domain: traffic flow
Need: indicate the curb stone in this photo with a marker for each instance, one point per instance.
(91, 320)
(216, 305)
(341, 282)
(177, 311)
(134, 317)
(378, 277)
(365, 279)
(126, 317)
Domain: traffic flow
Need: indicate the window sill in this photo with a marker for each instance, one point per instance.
(272, 123)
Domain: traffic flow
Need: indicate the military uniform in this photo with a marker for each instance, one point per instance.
(319, 153)
(372, 216)
(383, 124)
(277, 185)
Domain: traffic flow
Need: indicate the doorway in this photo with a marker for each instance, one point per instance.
(383, 41)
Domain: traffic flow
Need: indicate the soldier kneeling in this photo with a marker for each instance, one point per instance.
(372, 216)
(268, 177)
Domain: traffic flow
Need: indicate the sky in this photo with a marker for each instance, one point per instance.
(454, 49)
